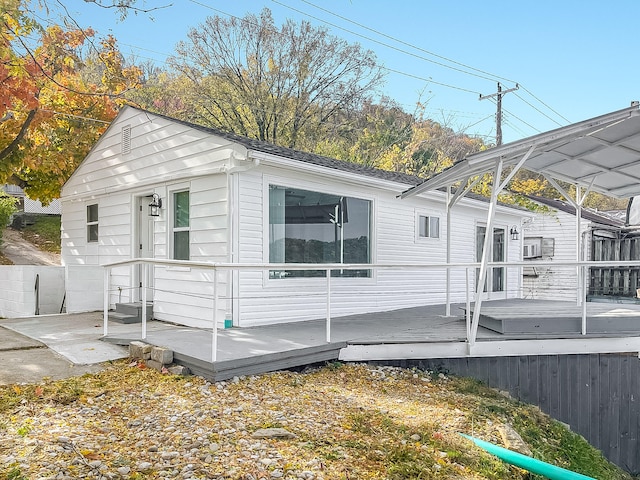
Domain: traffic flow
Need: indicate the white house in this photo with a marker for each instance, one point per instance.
(230, 199)
(551, 236)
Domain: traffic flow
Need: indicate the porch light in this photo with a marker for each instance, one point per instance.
(515, 234)
(155, 205)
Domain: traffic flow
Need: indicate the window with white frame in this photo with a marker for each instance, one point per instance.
(428, 226)
(315, 227)
(92, 223)
(180, 225)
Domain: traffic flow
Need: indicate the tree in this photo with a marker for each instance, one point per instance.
(56, 98)
(280, 85)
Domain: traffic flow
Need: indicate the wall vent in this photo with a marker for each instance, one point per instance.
(126, 139)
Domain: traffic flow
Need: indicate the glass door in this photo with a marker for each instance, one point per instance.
(495, 281)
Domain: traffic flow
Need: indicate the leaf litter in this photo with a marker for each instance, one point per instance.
(339, 421)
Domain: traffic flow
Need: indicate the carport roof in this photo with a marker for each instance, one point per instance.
(602, 154)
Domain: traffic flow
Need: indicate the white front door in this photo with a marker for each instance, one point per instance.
(143, 246)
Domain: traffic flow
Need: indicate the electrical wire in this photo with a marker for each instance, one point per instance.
(484, 73)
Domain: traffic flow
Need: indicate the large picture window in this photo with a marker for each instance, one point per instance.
(181, 225)
(313, 227)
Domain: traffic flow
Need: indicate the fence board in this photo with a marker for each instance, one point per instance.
(598, 395)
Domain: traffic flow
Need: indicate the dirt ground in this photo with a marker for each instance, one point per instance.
(21, 252)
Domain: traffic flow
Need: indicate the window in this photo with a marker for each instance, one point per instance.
(181, 225)
(428, 227)
(92, 223)
(313, 227)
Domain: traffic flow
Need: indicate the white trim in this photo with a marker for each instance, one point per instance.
(171, 191)
(498, 348)
(268, 180)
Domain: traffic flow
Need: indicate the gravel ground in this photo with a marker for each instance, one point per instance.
(336, 422)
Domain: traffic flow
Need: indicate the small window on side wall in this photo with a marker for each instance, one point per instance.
(181, 225)
(92, 223)
(428, 227)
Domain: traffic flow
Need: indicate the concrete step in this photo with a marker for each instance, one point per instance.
(134, 309)
(124, 318)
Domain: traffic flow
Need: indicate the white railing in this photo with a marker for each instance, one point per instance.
(470, 269)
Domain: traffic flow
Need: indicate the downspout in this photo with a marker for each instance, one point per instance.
(232, 210)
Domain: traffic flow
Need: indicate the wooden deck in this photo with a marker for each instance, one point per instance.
(420, 332)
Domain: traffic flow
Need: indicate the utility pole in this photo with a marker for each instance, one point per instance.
(499, 95)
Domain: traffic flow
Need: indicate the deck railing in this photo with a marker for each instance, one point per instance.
(582, 282)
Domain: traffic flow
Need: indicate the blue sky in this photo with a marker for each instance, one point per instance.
(573, 59)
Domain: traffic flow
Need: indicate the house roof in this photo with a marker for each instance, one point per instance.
(312, 158)
(602, 153)
(586, 213)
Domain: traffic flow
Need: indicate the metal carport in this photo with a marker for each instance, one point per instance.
(601, 154)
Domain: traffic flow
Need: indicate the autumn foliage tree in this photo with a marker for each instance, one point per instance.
(58, 94)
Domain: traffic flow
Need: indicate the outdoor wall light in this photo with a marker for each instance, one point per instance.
(155, 205)
(515, 234)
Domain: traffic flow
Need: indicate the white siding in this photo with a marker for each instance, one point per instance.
(264, 300)
(553, 283)
(164, 155)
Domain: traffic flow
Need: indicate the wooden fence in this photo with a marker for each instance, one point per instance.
(615, 281)
(597, 395)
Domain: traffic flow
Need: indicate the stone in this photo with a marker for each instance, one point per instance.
(179, 370)
(512, 440)
(273, 433)
(415, 437)
(155, 365)
(124, 471)
(139, 350)
(162, 355)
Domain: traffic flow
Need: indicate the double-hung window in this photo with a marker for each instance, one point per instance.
(92, 223)
(180, 225)
(314, 227)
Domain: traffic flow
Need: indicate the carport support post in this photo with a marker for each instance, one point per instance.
(105, 302)
(447, 307)
(328, 322)
(488, 236)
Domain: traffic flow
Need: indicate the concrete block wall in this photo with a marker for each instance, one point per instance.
(17, 290)
(85, 288)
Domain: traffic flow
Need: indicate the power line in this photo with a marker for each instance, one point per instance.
(384, 44)
(404, 43)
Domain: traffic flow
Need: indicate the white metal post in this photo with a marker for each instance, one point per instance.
(468, 311)
(214, 336)
(105, 300)
(584, 301)
(579, 295)
(328, 323)
(447, 307)
(486, 250)
(143, 282)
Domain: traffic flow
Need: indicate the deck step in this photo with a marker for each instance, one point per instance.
(226, 369)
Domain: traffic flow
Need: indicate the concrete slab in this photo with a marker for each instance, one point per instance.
(10, 340)
(75, 336)
(35, 365)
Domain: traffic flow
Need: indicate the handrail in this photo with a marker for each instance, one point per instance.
(360, 266)
(327, 268)
(37, 293)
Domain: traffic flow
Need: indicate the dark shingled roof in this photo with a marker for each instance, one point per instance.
(587, 214)
(266, 147)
